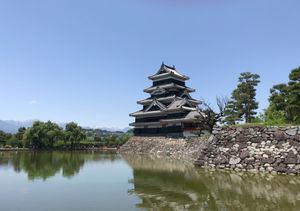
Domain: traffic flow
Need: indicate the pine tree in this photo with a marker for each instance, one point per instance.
(242, 104)
(285, 100)
(230, 113)
(293, 102)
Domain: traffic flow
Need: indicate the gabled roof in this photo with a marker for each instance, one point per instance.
(166, 71)
(160, 99)
(167, 99)
(186, 93)
(179, 103)
(155, 102)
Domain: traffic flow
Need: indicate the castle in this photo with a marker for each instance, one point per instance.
(170, 110)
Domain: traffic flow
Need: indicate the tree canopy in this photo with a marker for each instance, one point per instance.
(43, 135)
(284, 101)
(74, 133)
(242, 104)
(49, 135)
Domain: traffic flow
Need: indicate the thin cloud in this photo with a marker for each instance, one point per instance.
(31, 102)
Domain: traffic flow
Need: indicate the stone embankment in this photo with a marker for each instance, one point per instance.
(263, 149)
(178, 148)
(252, 148)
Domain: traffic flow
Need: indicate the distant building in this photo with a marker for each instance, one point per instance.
(170, 110)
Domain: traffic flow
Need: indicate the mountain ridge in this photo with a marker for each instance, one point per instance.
(12, 126)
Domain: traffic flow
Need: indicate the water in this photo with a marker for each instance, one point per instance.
(63, 181)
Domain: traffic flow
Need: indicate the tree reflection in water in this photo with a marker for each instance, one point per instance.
(42, 165)
(164, 184)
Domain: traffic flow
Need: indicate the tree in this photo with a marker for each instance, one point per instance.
(276, 113)
(275, 117)
(284, 101)
(74, 133)
(42, 135)
(208, 117)
(4, 137)
(19, 135)
(231, 113)
(242, 104)
(293, 105)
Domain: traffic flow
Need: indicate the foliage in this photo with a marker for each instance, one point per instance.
(274, 117)
(242, 104)
(19, 135)
(260, 119)
(48, 135)
(74, 133)
(42, 135)
(112, 140)
(4, 137)
(284, 101)
(208, 117)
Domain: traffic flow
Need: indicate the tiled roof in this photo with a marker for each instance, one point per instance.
(166, 70)
(167, 86)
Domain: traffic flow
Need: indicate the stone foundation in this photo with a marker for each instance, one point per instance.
(264, 149)
(178, 148)
(255, 148)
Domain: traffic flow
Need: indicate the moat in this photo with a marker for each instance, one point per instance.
(47, 181)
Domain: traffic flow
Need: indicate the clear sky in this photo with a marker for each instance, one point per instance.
(88, 60)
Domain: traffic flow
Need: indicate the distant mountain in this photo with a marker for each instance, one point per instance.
(11, 126)
(112, 129)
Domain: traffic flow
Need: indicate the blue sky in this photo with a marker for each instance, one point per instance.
(88, 61)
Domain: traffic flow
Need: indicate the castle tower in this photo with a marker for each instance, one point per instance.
(170, 110)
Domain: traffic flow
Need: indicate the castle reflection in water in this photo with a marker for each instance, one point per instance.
(166, 184)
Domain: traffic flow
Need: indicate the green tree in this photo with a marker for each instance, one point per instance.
(12, 141)
(243, 104)
(230, 112)
(19, 135)
(4, 137)
(275, 117)
(284, 101)
(42, 135)
(293, 105)
(276, 113)
(74, 133)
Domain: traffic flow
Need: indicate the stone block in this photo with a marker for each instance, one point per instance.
(292, 131)
(280, 136)
(281, 168)
(290, 160)
(244, 154)
(234, 160)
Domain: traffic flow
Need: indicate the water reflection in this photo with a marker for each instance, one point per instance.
(155, 183)
(42, 165)
(164, 184)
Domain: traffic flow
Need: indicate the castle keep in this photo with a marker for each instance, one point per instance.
(170, 110)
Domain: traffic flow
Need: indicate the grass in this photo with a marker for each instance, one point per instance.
(265, 124)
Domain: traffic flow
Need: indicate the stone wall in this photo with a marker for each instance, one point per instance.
(255, 148)
(178, 148)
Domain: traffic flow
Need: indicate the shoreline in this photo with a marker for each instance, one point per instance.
(265, 149)
(67, 150)
(14, 149)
